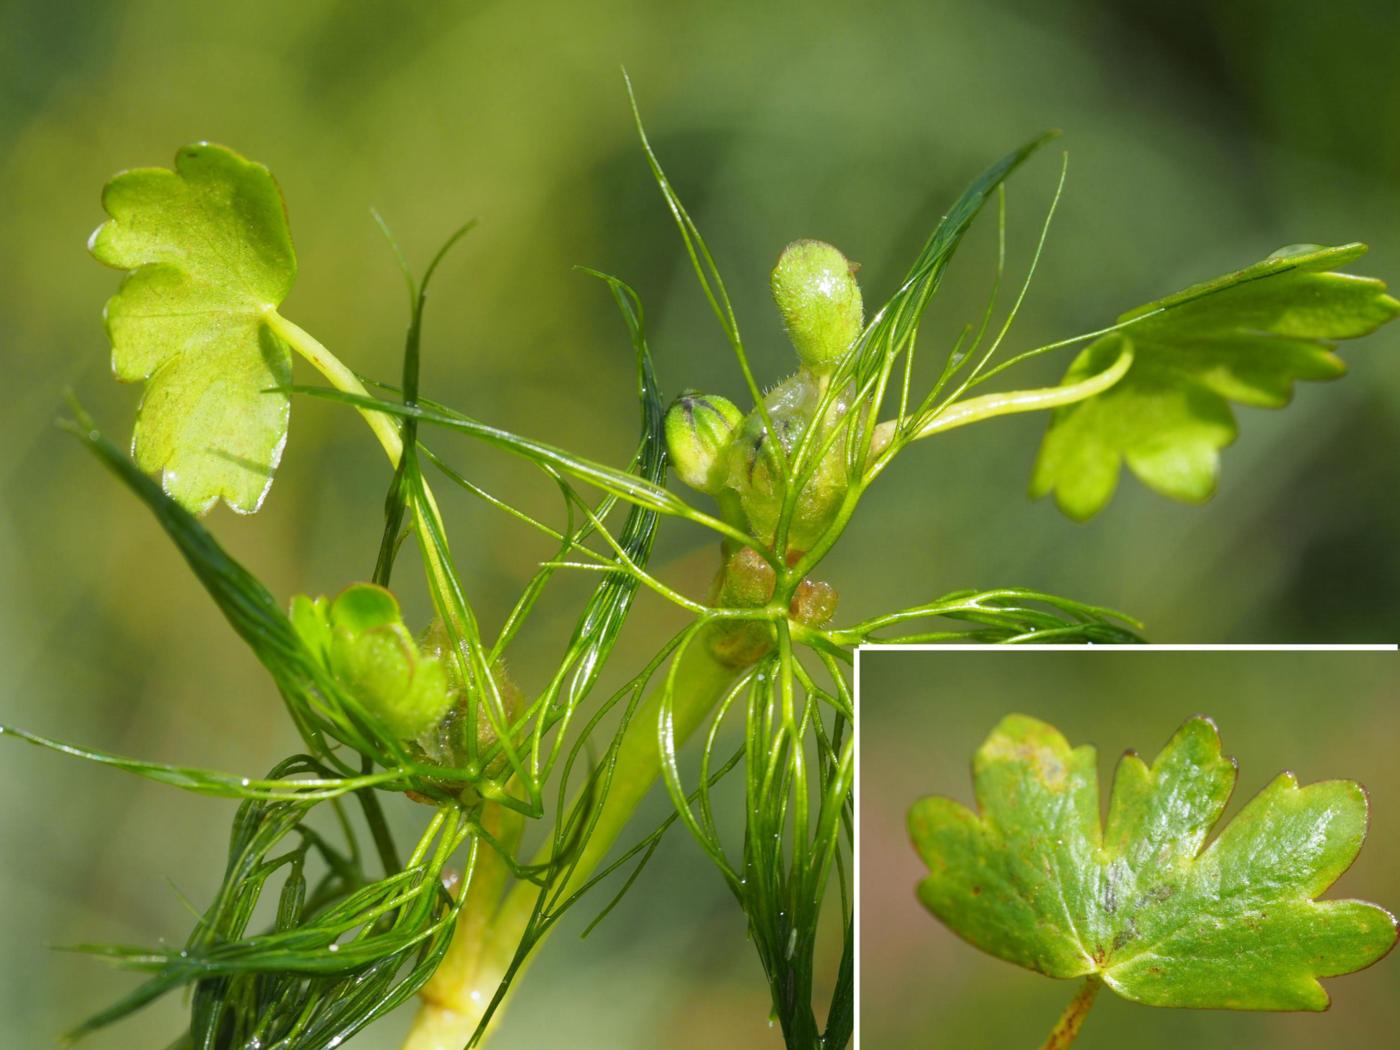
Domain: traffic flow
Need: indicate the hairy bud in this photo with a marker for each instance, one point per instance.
(746, 581)
(814, 603)
(447, 741)
(816, 291)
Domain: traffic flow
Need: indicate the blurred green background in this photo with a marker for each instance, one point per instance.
(1203, 136)
(1322, 715)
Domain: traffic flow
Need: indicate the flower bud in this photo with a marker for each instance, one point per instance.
(816, 291)
(404, 690)
(746, 582)
(362, 639)
(699, 428)
(814, 603)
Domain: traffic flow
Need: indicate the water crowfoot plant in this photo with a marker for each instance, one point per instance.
(1142, 903)
(498, 760)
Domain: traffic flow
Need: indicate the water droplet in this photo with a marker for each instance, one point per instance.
(334, 948)
(476, 995)
(245, 781)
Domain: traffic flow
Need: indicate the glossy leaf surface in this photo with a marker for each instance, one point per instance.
(1144, 903)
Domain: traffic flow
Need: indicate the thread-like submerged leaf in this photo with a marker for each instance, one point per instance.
(1035, 879)
(210, 257)
(1245, 337)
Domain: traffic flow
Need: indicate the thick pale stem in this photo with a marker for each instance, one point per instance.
(460, 989)
(1067, 1027)
(453, 1009)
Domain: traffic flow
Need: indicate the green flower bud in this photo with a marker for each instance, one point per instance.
(383, 667)
(816, 291)
(362, 639)
(699, 429)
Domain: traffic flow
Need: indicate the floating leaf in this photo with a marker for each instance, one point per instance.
(1244, 337)
(211, 259)
(1035, 879)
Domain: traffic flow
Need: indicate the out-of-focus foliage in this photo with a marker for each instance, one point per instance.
(1195, 143)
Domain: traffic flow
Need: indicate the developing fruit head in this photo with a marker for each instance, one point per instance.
(447, 742)
(755, 470)
(816, 291)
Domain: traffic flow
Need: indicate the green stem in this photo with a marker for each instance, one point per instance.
(451, 1014)
(484, 945)
(385, 428)
(1067, 1027)
(988, 406)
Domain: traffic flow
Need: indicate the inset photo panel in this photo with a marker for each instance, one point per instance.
(1102, 847)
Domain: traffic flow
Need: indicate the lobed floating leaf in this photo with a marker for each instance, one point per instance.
(210, 258)
(1244, 337)
(1142, 903)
